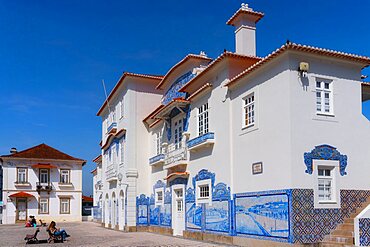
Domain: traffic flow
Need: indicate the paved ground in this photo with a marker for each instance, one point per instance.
(92, 234)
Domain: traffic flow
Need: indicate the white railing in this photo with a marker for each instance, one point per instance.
(111, 171)
(175, 153)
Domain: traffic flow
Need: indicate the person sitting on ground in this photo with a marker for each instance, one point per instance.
(57, 231)
(33, 221)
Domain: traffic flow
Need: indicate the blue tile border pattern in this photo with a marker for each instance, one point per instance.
(200, 139)
(364, 225)
(156, 158)
(325, 152)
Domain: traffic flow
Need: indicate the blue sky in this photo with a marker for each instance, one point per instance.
(54, 55)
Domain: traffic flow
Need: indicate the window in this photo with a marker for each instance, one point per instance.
(65, 176)
(122, 108)
(158, 143)
(121, 150)
(44, 176)
(44, 206)
(65, 205)
(325, 184)
(178, 133)
(324, 97)
(248, 111)
(159, 197)
(22, 175)
(204, 191)
(203, 119)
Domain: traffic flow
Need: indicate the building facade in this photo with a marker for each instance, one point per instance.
(43, 182)
(241, 146)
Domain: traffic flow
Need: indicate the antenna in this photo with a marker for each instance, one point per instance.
(106, 96)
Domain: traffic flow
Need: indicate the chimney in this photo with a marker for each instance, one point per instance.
(13, 150)
(244, 21)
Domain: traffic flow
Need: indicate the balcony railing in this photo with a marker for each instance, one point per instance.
(175, 154)
(48, 187)
(158, 159)
(111, 172)
(201, 141)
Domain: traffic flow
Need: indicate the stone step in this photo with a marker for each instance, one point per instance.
(346, 226)
(342, 233)
(338, 239)
(349, 220)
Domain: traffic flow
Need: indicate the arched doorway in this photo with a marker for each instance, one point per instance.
(114, 210)
(106, 211)
(121, 210)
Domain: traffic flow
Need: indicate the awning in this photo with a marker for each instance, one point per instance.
(39, 165)
(21, 194)
(177, 174)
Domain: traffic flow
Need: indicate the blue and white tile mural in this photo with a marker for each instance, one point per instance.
(143, 214)
(153, 215)
(262, 214)
(193, 216)
(165, 215)
(217, 216)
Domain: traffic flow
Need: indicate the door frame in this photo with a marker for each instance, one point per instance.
(17, 211)
(175, 224)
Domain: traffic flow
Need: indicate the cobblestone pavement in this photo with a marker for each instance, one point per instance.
(92, 234)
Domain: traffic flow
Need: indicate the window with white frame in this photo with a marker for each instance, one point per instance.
(122, 109)
(158, 142)
(121, 144)
(22, 175)
(249, 110)
(65, 176)
(44, 176)
(159, 197)
(325, 184)
(203, 191)
(324, 96)
(203, 119)
(65, 205)
(44, 206)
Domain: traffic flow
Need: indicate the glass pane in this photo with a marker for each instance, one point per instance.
(318, 84)
(326, 85)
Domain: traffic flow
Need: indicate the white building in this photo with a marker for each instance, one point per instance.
(270, 148)
(43, 182)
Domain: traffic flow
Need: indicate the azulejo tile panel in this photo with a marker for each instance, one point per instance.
(263, 214)
(217, 216)
(364, 224)
(193, 216)
(310, 225)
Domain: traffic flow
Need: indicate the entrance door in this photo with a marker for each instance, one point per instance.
(21, 209)
(178, 211)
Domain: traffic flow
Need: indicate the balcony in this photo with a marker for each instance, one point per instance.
(21, 184)
(175, 155)
(111, 173)
(112, 128)
(48, 187)
(157, 160)
(202, 141)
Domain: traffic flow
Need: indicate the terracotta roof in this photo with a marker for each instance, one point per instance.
(124, 75)
(256, 15)
(199, 90)
(97, 159)
(42, 151)
(153, 113)
(225, 54)
(39, 165)
(302, 48)
(188, 57)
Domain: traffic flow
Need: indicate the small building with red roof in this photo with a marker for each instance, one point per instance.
(43, 182)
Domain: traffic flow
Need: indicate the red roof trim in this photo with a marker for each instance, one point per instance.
(177, 174)
(225, 54)
(190, 56)
(97, 158)
(258, 16)
(111, 137)
(93, 171)
(124, 75)
(302, 48)
(39, 165)
(41, 152)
